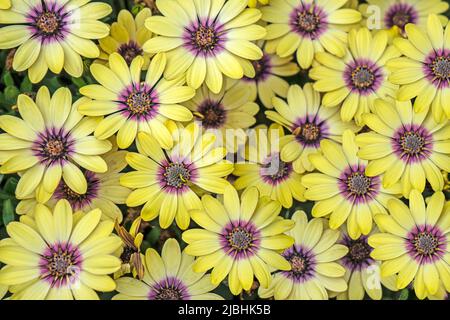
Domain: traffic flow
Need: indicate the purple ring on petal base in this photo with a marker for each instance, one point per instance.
(60, 264)
(400, 14)
(437, 68)
(240, 239)
(363, 76)
(274, 171)
(412, 143)
(310, 130)
(263, 68)
(213, 114)
(356, 187)
(426, 244)
(79, 201)
(174, 177)
(130, 50)
(205, 38)
(139, 102)
(48, 22)
(53, 146)
(308, 20)
(302, 262)
(358, 256)
(170, 288)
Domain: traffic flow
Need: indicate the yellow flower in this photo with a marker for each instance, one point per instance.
(254, 3)
(314, 259)
(424, 72)
(268, 82)
(52, 35)
(48, 143)
(58, 255)
(103, 191)
(406, 146)
(164, 179)
(5, 4)
(131, 106)
(167, 277)
(309, 27)
(308, 123)
(396, 14)
(264, 170)
(206, 39)
(239, 238)
(359, 78)
(343, 190)
(127, 37)
(414, 243)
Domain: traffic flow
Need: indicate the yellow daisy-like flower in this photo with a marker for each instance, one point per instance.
(254, 3)
(396, 14)
(308, 27)
(230, 110)
(168, 277)
(164, 179)
(48, 142)
(362, 272)
(406, 146)
(58, 255)
(415, 243)
(264, 169)
(342, 188)
(205, 39)
(130, 105)
(314, 258)
(359, 78)
(103, 191)
(127, 37)
(6, 4)
(424, 72)
(268, 82)
(240, 238)
(308, 123)
(52, 35)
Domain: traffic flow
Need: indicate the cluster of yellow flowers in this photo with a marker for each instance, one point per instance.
(366, 142)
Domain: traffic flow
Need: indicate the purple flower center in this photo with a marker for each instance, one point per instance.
(426, 243)
(212, 114)
(358, 256)
(437, 68)
(363, 76)
(48, 21)
(76, 200)
(53, 146)
(240, 239)
(302, 263)
(356, 187)
(170, 288)
(176, 176)
(60, 264)
(262, 68)
(274, 170)
(129, 51)
(308, 20)
(204, 38)
(412, 144)
(140, 102)
(400, 14)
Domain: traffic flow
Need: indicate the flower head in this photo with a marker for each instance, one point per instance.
(206, 41)
(342, 188)
(239, 238)
(130, 105)
(424, 72)
(164, 179)
(62, 256)
(308, 123)
(127, 36)
(52, 35)
(314, 258)
(47, 142)
(307, 27)
(406, 146)
(414, 243)
(355, 81)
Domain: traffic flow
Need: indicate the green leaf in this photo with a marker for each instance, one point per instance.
(79, 82)
(8, 212)
(10, 185)
(8, 80)
(4, 195)
(136, 8)
(26, 85)
(404, 294)
(11, 93)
